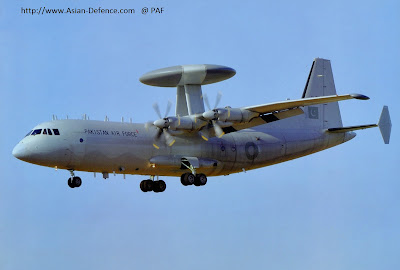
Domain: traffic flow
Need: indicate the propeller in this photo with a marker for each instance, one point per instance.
(162, 124)
(212, 115)
(217, 100)
(157, 109)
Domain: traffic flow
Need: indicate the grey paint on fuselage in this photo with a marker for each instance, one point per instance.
(97, 146)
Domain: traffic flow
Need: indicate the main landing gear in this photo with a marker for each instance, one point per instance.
(190, 179)
(74, 181)
(151, 185)
(187, 179)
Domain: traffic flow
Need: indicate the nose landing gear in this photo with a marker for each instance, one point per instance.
(74, 181)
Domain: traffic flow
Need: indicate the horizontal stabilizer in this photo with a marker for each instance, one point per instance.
(352, 128)
(385, 125)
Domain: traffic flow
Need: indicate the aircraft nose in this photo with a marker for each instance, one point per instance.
(20, 151)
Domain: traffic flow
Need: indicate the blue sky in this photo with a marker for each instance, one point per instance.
(338, 209)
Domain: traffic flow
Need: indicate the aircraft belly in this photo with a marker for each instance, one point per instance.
(272, 147)
(197, 148)
(300, 142)
(224, 149)
(258, 149)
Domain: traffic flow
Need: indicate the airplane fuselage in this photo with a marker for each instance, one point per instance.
(127, 148)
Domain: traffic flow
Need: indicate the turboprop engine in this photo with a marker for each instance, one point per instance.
(180, 123)
(229, 114)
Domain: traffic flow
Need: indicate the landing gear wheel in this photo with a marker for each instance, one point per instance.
(200, 180)
(149, 185)
(143, 186)
(187, 179)
(146, 185)
(76, 181)
(159, 186)
(70, 183)
(183, 180)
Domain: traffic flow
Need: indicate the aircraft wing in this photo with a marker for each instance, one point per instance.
(271, 112)
(290, 104)
(263, 119)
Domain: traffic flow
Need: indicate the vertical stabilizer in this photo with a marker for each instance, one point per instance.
(385, 125)
(320, 83)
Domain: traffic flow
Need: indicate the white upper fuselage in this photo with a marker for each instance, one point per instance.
(103, 146)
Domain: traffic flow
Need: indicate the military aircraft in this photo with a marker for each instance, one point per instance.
(196, 143)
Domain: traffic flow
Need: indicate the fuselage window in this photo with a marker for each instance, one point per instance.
(29, 133)
(36, 132)
(56, 132)
(44, 132)
(49, 131)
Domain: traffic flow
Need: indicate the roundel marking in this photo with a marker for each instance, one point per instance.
(251, 150)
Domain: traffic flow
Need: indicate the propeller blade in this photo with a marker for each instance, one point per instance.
(168, 138)
(219, 95)
(218, 130)
(157, 109)
(205, 98)
(156, 146)
(158, 135)
(148, 125)
(169, 105)
(204, 136)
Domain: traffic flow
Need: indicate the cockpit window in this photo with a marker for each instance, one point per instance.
(49, 131)
(56, 132)
(36, 132)
(29, 133)
(44, 131)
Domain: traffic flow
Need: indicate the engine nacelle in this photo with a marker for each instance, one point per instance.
(230, 114)
(186, 123)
